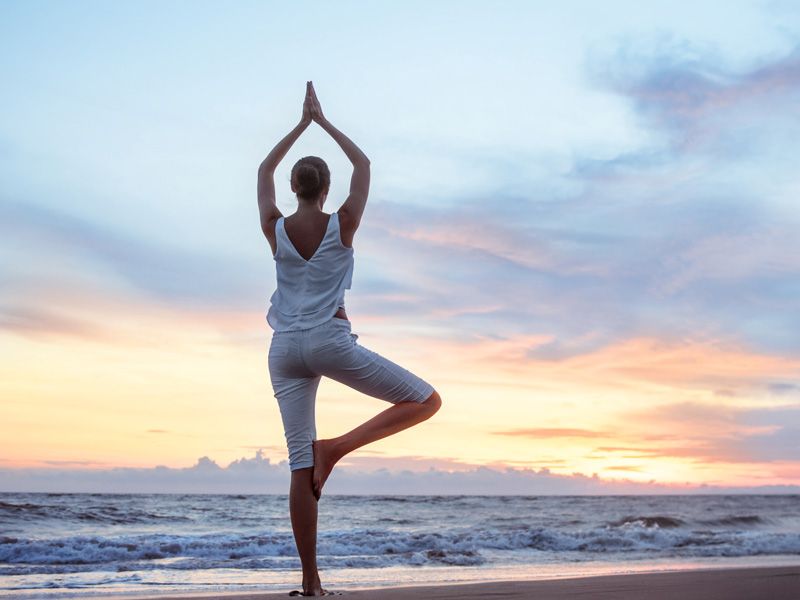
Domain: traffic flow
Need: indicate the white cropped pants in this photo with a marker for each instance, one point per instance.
(299, 359)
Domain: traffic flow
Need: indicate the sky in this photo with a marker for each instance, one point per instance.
(581, 229)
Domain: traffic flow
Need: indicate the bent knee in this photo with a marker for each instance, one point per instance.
(434, 401)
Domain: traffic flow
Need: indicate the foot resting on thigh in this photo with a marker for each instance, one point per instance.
(324, 460)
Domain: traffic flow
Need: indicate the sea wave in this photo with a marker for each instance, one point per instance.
(100, 513)
(736, 520)
(372, 547)
(655, 521)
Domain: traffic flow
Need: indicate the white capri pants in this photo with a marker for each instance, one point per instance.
(299, 359)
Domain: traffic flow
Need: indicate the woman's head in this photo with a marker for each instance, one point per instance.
(311, 178)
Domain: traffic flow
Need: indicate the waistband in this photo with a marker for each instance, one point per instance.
(332, 322)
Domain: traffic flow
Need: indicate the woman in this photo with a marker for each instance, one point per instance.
(312, 335)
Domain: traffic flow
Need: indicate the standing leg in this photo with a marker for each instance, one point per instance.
(295, 389)
(303, 513)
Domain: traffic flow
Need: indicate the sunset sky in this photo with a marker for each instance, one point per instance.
(583, 229)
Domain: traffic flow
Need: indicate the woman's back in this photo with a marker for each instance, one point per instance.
(313, 275)
(306, 231)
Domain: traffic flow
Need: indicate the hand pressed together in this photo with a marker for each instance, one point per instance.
(312, 111)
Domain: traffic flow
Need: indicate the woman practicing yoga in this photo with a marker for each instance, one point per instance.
(312, 335)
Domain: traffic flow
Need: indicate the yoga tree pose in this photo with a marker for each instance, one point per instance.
(312, 335)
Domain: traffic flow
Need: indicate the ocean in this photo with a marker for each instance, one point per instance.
(81, 545)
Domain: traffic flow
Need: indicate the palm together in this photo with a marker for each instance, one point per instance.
(312, 111)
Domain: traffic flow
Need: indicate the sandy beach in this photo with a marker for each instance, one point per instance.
(770, 583)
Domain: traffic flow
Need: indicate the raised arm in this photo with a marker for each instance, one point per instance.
(267, 206)
(350, 212)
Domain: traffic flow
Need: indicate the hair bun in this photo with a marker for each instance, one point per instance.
(307, 178)
(310, 177)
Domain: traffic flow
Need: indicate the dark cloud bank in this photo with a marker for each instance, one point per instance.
(258, 475)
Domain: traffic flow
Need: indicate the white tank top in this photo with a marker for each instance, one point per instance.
(310, 291)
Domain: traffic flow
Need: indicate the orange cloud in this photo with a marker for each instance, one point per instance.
(553, 433)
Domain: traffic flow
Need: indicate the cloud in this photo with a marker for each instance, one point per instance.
(689, 94)
(74, 463)
(773, 253)
(783, 388)
(637, 451)
(553, 433)
(259, 475)
(160, 271)
(34, 320)
(67, 276)
(715, 434)
(712, 192)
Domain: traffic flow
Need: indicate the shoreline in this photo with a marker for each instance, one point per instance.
(740, 583)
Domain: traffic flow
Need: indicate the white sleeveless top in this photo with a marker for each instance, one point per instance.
(310, 291)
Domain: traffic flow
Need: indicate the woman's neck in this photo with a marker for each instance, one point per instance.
(306, 208)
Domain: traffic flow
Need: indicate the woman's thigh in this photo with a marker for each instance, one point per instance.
(342, 358)
(295, 388)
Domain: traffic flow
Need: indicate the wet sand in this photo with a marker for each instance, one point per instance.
(761, 583)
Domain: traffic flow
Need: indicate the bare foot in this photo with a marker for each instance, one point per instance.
(324, 461)
(312, 588)
(318, 591)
